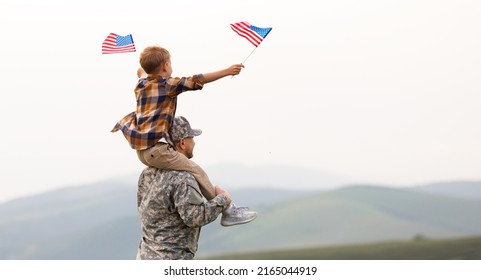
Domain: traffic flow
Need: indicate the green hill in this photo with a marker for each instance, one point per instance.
(358, 214)
(100, 221)
(418, 249)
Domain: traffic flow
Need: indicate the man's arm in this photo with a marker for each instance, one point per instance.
(192, 207)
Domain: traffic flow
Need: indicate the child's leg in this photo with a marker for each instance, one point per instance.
(163, 156)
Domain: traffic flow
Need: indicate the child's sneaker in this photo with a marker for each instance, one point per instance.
(237, 215)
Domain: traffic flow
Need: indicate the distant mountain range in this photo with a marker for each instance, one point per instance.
(99, 221)
(469, 190)
(356, 214)
(235, 175)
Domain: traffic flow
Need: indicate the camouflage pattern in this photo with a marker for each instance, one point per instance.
(172, 210)
(181, 129)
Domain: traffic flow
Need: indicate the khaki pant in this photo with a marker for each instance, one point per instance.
(163, 156)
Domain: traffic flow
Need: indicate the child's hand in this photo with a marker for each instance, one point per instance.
(235, 69)
(141, 73)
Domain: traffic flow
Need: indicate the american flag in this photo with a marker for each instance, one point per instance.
(252, 33)
(118, 44)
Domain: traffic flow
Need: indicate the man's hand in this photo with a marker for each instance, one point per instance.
(219, 190)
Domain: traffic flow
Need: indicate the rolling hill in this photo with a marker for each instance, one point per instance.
(461, 189)
(99, 221)
(417, 249)
(358, 214)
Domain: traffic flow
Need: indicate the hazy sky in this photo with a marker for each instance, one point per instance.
(376, 91)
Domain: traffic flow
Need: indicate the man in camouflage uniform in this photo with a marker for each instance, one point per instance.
(171, 206)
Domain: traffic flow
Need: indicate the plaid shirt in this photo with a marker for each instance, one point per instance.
(156, 105)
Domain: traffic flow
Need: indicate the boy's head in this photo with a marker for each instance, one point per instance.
(153, 59)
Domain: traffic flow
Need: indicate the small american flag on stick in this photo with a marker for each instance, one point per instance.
(118, 44)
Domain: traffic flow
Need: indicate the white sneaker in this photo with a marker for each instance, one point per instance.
(237, 215)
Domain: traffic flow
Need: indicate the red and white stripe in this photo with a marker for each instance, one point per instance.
(243, 29)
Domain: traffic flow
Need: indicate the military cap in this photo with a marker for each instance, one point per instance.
(181, 129)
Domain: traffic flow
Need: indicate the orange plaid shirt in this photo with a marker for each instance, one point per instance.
(156, 105)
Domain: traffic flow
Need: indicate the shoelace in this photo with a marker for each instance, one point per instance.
(240, 209)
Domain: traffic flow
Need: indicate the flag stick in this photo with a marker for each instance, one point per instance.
(247, 58)
(249, 55)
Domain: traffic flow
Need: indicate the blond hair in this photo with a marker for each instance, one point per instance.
(153, 58)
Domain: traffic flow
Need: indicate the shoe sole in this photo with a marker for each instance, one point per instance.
(238, 223)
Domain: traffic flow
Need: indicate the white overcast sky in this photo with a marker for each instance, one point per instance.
(378, 91)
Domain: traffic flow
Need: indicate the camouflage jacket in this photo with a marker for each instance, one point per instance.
(172, 210)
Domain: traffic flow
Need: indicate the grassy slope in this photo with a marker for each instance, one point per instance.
(89, 225)
(448, 249)
(335, 218)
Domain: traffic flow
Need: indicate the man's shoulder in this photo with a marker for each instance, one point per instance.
(152, 174)
(179, 177)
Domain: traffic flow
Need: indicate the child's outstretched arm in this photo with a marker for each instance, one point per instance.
(232, 70)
